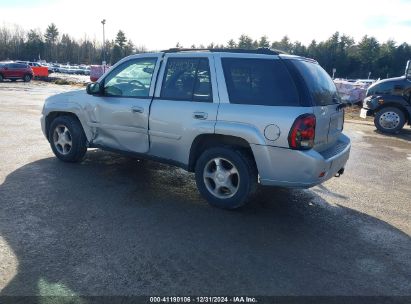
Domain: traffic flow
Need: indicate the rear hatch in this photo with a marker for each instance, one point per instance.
(326, 103)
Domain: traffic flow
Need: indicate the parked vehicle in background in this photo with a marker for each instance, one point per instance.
(63, 69)
(87, 71)
(38, 69)
(55, 67)
(15, 71)
(389, 101)
(234, 117)
(366, 82)
(96, 71)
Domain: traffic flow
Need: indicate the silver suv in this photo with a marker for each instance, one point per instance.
(236, 118)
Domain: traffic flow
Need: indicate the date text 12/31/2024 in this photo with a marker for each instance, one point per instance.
(239, 299)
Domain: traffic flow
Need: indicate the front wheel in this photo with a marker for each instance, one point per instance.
(389, 120)
(67, 139)
(226, 177)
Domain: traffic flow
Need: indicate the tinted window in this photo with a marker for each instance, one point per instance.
(187, 79)
(320, 84)
(259, 82)
(131, 79)
(17, 66)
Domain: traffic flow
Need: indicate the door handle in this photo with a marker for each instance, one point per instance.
(200, 115)
(137, 110)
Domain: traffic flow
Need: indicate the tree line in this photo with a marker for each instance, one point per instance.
(341, 52)
(34, 45)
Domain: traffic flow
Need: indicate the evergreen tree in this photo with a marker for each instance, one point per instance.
(263, 42)
(51, 37)
(121, 39)
(245, 42)
(231, 44)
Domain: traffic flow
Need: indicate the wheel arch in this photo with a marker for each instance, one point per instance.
(54, 114)
(205, 141)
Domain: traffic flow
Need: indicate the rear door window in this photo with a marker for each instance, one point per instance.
(320, 84)
(259, 82)
(187, 79)
(16, 66)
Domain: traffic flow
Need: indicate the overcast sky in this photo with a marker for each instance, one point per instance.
(160, 24)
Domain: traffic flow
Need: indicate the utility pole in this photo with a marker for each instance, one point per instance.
(103, 22)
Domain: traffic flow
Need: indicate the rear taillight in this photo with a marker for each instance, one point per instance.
(302, 133)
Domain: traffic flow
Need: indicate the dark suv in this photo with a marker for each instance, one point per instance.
(389, 101)
(14, 71)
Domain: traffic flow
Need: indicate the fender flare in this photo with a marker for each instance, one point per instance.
(70, 108)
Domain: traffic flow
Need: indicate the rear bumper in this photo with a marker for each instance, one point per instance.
(300, 169)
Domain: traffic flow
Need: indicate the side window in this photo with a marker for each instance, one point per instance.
(187, 79)
(259, 82)
(131, 79)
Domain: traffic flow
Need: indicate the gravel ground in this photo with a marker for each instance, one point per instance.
(117, 226)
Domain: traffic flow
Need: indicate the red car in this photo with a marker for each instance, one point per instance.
(14, 71)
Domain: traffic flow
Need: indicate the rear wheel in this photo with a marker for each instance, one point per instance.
(226, 177)
(1, 78)
(67, 139)
(27, 78)
(389, 120)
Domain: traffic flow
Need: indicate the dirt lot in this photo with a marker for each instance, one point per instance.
(116, 226)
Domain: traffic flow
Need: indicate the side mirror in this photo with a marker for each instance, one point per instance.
(93, 88)
(408, 70)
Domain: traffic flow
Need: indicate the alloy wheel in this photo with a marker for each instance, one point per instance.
(62, 139)
(221, 178)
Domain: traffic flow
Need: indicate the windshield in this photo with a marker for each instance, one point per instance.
(320, 84)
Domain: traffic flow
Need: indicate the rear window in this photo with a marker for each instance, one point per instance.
(320, 84)
(259, 82)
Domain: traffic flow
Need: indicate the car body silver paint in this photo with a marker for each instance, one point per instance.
(167, 128)
(173, 125)
(301, 169)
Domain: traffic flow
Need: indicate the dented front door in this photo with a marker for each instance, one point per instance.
(120, 114)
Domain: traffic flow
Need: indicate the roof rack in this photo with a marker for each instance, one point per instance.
(265, 51)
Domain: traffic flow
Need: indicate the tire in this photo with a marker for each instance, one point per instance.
(27, 78)
(389, 120)
(67, 139)
(211, 186)
(1, 78)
